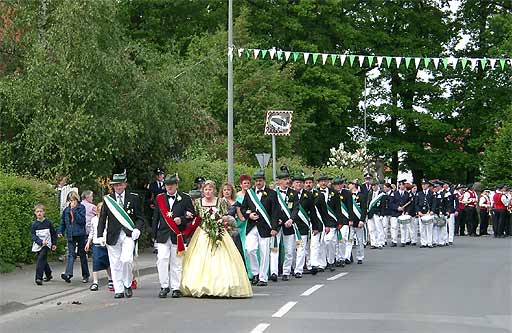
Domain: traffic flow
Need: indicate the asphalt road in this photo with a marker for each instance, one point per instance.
(464, 288)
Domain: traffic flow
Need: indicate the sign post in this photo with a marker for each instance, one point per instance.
(279, 122)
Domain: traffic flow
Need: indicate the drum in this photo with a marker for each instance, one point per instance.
(440, 220)
(427, 219)
(405, 219)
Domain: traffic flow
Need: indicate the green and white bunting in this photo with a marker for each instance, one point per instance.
(312, 58)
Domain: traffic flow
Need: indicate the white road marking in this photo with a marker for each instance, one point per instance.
(260, 328)
(312, 290)
(284, 309)
(337, 276)
(261, 294)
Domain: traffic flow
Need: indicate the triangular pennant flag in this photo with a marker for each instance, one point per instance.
(315, 56)
(361, 61)
(324, 58)
(379, 61)
(342, 59)
(351, 59)
(398, 60)
(445, 62)
(306, 57)
(333, 58)
(502, 63)
(370, 60)
(272, 52)
(280, 55)
(256, 52)
(464, 62)
(436, 62)
(417, 62)
(248, 52)
(474, 63)
(454, 62)
(263, 54)
(483, 62)
(287, 55)
(426, 61)
(407, 61)
(295, 56)
(492, 62)
(388, 61)
(240, 51)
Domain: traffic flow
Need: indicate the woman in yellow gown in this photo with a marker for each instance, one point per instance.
(213, 269)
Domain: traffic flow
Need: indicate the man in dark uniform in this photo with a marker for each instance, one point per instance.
(303, 221)
(122, 232)
(170, 218)
(367, 185)
(402, 206)
(374, 210)
(260, 209)
(358, 218)
(423, 204)
(155, 188)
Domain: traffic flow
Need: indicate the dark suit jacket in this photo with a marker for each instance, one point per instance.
(269, 201)
(377, 209)
(334, 203)
(364, 189)
(131, 206)
(424, 203)
(400, 201)
(346, 197)
(307, 202)
(161, 230)
(292, 202)
(361, 199)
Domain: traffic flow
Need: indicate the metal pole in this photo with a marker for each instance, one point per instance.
(231, 173)
(364, 107)
(274, 163)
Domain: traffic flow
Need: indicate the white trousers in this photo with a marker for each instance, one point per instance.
(308, 254)
(451, 227)
(347, 236)
(394, 229)
(301, 255)
(253, 241)
(435, 234)
(289, 253)
(426, 233)
(166, 255)
(405, 233)
(121, 262)
(318, 250)
(385, 226)
(442, 234)
(274, 255)
(330, 245)
(376, 231)
(414, 230)
(359, 232)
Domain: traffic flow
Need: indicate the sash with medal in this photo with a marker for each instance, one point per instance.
(284, 207)
(123, 218)
(167, 214)
(263, 213)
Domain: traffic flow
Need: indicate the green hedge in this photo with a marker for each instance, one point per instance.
(18, 196)
(216, 170)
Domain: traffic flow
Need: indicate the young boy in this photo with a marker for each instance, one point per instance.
(99, 254)
(44, 237)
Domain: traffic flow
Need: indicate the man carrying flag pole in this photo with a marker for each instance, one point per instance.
(125, 220)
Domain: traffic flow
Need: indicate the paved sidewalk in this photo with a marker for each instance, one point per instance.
(18, 289)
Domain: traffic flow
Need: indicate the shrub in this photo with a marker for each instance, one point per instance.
(18, 195)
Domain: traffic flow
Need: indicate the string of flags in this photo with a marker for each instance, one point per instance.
(369, 60)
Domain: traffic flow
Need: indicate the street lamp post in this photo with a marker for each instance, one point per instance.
(231, 173)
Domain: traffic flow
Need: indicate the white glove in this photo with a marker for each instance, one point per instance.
(135, 234)
(102, 241)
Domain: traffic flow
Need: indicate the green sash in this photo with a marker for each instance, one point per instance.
(304, 216)
(376, 200)
(344, 209)
(356, 209)
(286, 210)
(259, 206)
(119, 213)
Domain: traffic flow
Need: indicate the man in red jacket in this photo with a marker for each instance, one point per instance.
(500, 203)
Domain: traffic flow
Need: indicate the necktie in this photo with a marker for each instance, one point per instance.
(173, 197)
(282, 191)
(120, 200)
(259, 191)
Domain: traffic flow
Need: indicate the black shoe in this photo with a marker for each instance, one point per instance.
(450, 243)
(342, 263)
(413, 244)
(431, 246)
(434, 245)
(39, 282)
(285, 278)
(255, 280)
(261, 284)
(155, 251)
(128, 292)
(47, 278)
(321, 270)
(408, 243)
(373, 247)
(347, 261)
(163, 292)
(176, 294)
(338, 263)
(65, 277)
(118, 295)
(85, 280)
(359, 262)
(298, 275)
(273, 277)
(332, 268)
(422, 246)
(314, 270)
(402, 245)
(393, 245)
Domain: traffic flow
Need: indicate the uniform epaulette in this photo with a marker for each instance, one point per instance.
(185, 193)
(137, 194)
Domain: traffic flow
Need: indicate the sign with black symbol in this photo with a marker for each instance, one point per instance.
(279, 122)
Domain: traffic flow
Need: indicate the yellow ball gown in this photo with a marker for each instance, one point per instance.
(214, 271)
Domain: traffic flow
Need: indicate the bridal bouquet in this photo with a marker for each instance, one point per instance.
(212, 224)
